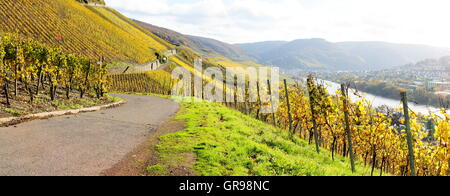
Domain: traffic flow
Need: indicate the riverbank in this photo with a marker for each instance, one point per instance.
(378, 101)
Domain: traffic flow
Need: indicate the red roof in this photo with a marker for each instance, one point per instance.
(58, 37)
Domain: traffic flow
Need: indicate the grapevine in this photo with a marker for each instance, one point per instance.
(28, 63)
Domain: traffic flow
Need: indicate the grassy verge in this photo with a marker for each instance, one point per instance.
(228, 143)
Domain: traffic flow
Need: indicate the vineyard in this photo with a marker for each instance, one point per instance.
(377, 138)
(91, 31)
(311, 113)
(34, 69)
(378, 141)
(158, 82)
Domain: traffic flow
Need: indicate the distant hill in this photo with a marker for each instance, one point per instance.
(213, 53)
(321, 54)
(174, 37)
(304, 54)
(222, 48)
(93, 31)
(441, 65)
(380, 55)
(258, 49)
(205, 46)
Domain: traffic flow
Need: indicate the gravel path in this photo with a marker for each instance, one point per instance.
(84, 144)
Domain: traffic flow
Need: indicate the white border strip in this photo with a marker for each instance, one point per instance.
(4, 121)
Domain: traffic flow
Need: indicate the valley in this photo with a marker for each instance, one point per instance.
(321, 55)
(171, 103)
(426, 81)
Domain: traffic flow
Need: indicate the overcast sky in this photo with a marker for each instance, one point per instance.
(238, 21)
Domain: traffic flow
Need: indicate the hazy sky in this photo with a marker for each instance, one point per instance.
(237, 21)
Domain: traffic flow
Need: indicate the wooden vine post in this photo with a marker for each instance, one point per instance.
(344, 90)
(202, 90)
(235, 97)
(408, 133)
(313, 112)
(291, 126)
(6, 89)
(259, 101)
(193, 86)
(271, 104)
(224, 91)
(247, 99)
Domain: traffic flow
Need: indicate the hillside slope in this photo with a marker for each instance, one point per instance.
(77, 28)
(222, 48)
(190, 48)
(440, 66)
(321, 54)
(229, 143)
(204, 46)
(312, 53)
(259, 48)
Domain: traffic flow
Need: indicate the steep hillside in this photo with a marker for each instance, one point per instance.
(221, 48)
(89, 30)
(320, 54)
(174, 37)
(190, 48)
(204, 46)
(229, 143)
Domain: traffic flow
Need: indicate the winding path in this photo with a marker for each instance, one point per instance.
(84, 144)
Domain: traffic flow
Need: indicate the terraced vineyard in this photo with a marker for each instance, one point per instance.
(33, 75)
(76, 28)
(158, 82)
(124, 23)
(134, 25)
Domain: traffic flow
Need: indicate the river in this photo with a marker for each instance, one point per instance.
(380, 101)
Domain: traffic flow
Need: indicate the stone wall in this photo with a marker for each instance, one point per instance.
(93, 2)
(141, 68)
(136, 68)
(170, 53)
